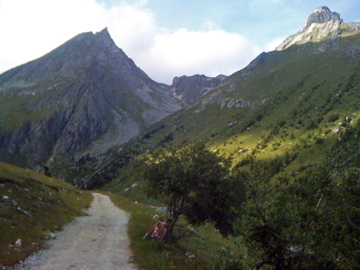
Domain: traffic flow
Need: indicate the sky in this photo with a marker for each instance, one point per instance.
(165, 38)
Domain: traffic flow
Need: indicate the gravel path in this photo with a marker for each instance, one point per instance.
(98, 241)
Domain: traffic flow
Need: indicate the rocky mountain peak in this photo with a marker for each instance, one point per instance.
(321, 15)
(104, 40)
(104, 34)
(86, 95)
(322, 23)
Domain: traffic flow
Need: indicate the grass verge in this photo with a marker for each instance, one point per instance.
(32, 206)
(204, 250)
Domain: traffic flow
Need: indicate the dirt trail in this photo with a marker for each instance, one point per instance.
(97, 241)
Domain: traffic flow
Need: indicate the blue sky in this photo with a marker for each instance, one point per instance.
(260, 20)
(165, 38)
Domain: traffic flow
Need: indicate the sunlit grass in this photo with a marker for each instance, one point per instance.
(205, 250)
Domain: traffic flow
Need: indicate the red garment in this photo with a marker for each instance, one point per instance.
(159, 226)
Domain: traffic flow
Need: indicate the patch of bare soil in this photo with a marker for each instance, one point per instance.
(98, 241)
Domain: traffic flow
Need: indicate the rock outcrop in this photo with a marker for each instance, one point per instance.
(191, 88)
(321, 15)
(320, 24)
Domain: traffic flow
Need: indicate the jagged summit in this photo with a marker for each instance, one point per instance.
(321, 15)
(321, 24)
(104, 33)
(105, 39)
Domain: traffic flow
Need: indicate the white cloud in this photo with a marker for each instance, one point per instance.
(270, 46)
(29, 29)
(186, 52)
(133, 28)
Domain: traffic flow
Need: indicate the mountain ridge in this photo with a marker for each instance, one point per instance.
(86, 96)
(84, 89)
(287, 104)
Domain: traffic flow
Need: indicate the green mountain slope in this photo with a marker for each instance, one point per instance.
(32, 206)
(290, 120)
(286, 105)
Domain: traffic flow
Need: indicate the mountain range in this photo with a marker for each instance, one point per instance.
(285, 109)
(87, 97)
(84, 96)
(289, 122)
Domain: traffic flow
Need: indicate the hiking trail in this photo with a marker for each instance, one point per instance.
(97, 241)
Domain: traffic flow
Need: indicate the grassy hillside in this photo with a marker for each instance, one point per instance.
(32, 206)
(286, 107)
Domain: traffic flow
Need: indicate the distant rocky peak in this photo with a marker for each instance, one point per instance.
(100, 41)
(321, 15)
(321, 24)
(191, 88)
(103, 34)
(104, 37)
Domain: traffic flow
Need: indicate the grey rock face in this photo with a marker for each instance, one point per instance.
(85, 93)
(321, 15)
(191, 88)
(321, 24)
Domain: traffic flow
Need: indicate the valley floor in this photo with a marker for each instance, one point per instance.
(96, 241)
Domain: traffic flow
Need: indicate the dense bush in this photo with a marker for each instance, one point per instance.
(312, 222)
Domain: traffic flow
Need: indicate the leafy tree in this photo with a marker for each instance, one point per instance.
(195, 183)
(312, 222)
